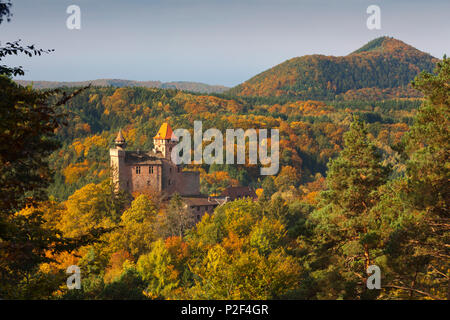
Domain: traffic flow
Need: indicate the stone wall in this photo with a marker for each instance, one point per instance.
(148, 178)
(189, 183)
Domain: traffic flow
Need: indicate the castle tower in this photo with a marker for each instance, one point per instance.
(163, 140)
(117, 156)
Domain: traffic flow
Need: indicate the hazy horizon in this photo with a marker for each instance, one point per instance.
(208, 41)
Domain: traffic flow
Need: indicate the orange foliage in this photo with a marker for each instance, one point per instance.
(116, 262)
(75, 171)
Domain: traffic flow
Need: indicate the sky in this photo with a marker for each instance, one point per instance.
(221, 42)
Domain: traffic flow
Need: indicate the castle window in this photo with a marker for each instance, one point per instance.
(198, 217)
(150, 169)
(148, 182)
(170, 169)
(138, 170)
(169, 182)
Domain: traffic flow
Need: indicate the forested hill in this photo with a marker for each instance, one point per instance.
(180, 85)
(383, 68)
(310, 132)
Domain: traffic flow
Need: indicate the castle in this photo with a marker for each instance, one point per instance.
(154, 171)
(139, 171)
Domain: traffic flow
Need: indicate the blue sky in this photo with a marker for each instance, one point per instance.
(212, 41)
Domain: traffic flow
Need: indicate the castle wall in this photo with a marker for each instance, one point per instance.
(188, 183)
(145, 180)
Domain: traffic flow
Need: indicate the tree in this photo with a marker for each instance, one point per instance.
(428, 143)
(176, 220)
(95, 206)
(157, 271)
(286, 178)
(419, 251)
(138, 226)
(127, 286)
(269, 188)
(5, 10)
(347, 229)
(28, 120)
(26, 140)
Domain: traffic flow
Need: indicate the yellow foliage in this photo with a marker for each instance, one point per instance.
(75, 171)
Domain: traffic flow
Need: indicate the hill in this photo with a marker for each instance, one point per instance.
(383, 68)
(180, 85)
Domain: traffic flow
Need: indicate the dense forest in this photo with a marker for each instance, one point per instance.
(311, 131)
(180, 85)
(362, 182)
(381, 69)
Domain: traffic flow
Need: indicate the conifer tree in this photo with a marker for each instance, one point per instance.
(347, 232)
(419, 253)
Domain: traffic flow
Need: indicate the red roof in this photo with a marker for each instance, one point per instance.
(165, 132)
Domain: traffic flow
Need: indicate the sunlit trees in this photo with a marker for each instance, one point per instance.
(239, 255)
(138, 227)
(158, 272)
(419, 253)
(93, 206)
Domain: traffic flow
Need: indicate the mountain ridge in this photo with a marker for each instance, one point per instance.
(180, 85)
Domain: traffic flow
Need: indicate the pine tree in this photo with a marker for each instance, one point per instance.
(347, 233)
(419, 249)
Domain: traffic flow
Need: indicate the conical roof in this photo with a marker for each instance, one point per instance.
(120, 137)
(165, 132)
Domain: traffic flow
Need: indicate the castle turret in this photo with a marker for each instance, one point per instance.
(117, 156)
(120, 141)
(163, 140)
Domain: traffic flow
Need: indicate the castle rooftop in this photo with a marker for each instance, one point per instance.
(165, 132)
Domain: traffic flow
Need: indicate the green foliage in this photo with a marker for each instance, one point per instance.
(128, 286)
(27, 138)
(289, 244)
(419, 248)
(362, 73)
(156, 270)
(348, 233)
(244, 259)
(138, 226)
(375, 44)
(176, 220)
